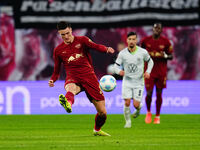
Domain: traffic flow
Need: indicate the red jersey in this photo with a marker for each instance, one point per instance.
(75, 57)
(156, 47)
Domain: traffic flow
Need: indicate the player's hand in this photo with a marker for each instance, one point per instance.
(110, 50)
(121, 73)
(146, 75)
(51, 83)
(167, 56)
(164, 55)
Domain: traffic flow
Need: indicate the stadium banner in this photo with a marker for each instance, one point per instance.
(35, 97)
(104, 13)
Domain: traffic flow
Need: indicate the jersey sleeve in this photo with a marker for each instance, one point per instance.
(118, 63)
(169, 48)
(89, 43)
(57, 65)
(147, 57)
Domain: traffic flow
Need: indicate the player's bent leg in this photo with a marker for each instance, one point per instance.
(63, 101)
(67, 100)
(72, 89)
(138, 106)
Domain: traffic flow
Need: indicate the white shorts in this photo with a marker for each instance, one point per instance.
(133, 93)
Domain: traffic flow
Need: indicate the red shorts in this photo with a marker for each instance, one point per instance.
(158, 82)
(88, 84)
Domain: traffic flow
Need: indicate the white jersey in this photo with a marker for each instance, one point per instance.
(133, 64)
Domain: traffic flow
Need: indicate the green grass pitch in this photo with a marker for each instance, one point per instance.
(74, 132)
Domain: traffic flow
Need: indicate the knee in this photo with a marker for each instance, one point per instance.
(103, 114)
(136, 105)
(127, 103)
(73, 88)
(149, 94)
(159, 95)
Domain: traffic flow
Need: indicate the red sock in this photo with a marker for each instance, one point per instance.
(148, 103)
(99, 121)
(70, 97)
(158, 103)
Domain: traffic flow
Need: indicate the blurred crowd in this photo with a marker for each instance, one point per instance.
(26, 54)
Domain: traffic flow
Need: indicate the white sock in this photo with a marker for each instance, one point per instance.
(127, 113)
(140, 106)
(96, 130)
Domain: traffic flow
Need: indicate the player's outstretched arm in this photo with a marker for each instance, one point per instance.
(150, 64)
(102, 48)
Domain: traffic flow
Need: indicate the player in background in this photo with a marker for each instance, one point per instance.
(73, 52)
(160, 50)
(132, 59)
(110, 68)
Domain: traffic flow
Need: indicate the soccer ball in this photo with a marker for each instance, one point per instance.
(108, 83)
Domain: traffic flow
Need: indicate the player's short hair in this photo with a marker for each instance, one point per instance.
(63, 25)
(131, 33)
(157, 23)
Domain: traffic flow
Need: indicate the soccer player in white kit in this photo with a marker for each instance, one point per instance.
(132, 59)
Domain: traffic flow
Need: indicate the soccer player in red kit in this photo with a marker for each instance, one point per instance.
(160, 51)
(73, 52)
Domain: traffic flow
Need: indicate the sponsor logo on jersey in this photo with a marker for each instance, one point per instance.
(71, 58)
(75, 57)
(157, 54)
(161, 46)
(78, 46)
(132, 68)
(79, 55)
(151, 54)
